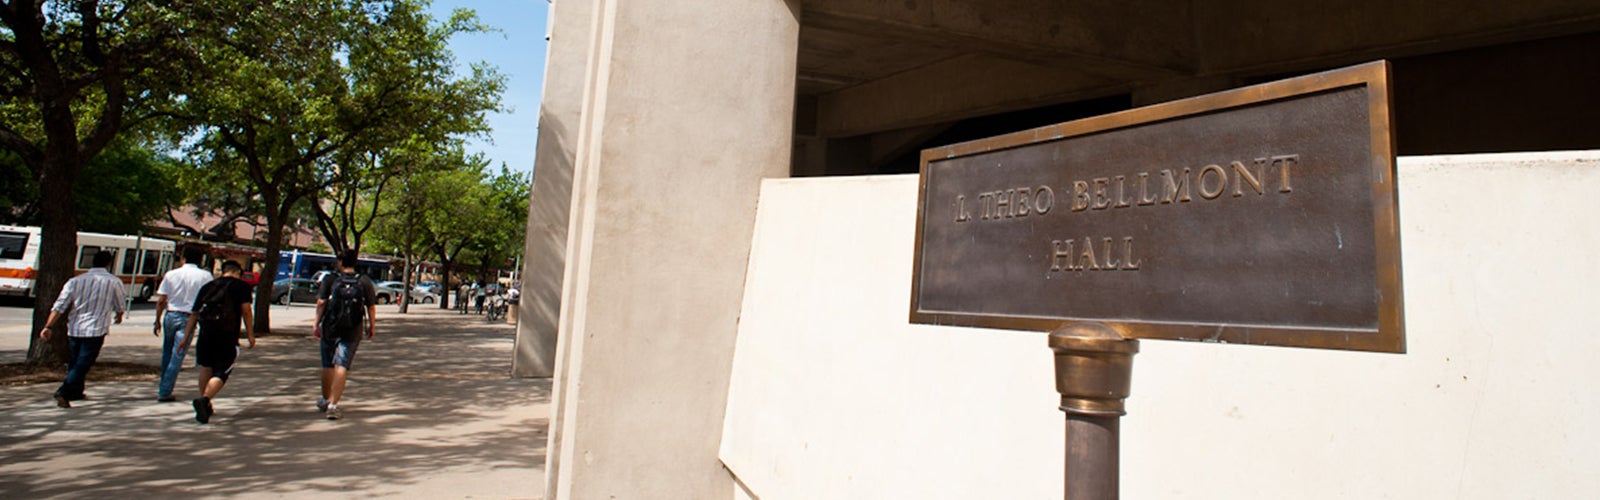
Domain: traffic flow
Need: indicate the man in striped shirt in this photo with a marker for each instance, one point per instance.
(89, 302)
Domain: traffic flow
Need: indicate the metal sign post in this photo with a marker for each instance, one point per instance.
(1094, 369)
(1262, 215)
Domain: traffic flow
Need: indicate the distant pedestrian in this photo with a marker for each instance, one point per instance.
(174, 304)
(479, 295)
(345, 305)
(222, 305)
(89, 302)
(463, 296)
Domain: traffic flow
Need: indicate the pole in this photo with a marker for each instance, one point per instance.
(138, 267)
(1094, 367)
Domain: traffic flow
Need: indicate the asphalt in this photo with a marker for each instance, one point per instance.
(430, 412)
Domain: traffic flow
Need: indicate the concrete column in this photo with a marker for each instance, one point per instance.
(550, 200)
(687, 106)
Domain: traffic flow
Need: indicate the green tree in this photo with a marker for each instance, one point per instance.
(455, 202)
(121, 188)
(401, 214)
(412, 55)
(500, 237)
(299, 86)
(74, 75)
(124, 187)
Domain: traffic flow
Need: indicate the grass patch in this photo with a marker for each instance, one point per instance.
(104, 371)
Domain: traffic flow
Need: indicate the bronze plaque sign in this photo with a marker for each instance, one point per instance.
(1261, 215)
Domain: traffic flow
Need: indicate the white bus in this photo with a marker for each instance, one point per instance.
(140, 261)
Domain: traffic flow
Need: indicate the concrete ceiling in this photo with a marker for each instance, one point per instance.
(873, 66)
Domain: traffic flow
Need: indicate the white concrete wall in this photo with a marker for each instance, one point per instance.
(835, 396)
(678, 128)
(550, 201)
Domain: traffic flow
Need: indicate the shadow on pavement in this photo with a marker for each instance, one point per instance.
(430, 411)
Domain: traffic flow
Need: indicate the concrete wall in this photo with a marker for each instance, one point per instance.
(550, 200)
(678, 128)
(835, 396)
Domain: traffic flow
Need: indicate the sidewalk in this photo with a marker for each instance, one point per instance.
(430, 412)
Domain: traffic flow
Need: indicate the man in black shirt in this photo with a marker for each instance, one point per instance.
(345, 306)
(221, 306)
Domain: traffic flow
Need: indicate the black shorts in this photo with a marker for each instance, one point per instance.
(218, 358)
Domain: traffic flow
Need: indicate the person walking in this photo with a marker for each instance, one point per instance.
(89, 302)
(174, 305)
(223, 305)
(345, 304)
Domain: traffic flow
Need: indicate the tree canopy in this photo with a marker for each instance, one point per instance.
(75, 75)
(308, 102)
(281, 110)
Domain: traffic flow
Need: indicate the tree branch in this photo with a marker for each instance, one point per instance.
(89, 33)
(16, 143)
(173, 218)
(110, 114)
(373, 214)
(325, 225)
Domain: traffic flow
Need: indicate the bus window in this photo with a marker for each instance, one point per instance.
(86, 256)
(129, 258)
(12, 245)
(152, 261)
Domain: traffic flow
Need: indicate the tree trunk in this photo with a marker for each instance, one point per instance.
(276, 219)
(405, 283)
(444, 283)
(58, 251)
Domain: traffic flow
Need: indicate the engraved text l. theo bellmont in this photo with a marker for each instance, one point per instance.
(1143, 189)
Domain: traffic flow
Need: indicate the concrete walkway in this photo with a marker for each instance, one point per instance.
(430, 412)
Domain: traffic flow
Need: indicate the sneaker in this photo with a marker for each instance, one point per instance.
(322, 404)
(61, 401)
(202, 410)
(166, 399)
(334, 413)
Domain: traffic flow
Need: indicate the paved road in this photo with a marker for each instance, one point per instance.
(430, 413)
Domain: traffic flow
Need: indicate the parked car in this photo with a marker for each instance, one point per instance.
(392, 289)
(317, 278)
(289, 290)
(423, 296)
(250, 278)
(429, 287)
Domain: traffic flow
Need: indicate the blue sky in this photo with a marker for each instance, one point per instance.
(518, 50)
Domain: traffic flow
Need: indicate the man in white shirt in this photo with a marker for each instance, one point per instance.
(175, 301)
(88, 301)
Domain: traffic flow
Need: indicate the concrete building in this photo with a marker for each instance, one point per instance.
(719, 328)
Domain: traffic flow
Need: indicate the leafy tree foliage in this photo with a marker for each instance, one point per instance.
(121, 188)
(74, 75)
(457, 214)
(303, 92)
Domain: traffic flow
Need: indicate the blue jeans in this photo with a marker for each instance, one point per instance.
(81, 353)
(173, 325)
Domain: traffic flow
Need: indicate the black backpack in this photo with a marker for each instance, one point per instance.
(212, 307)
(346, 304)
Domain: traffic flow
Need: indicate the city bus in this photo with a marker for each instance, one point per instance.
(296, 264)
(139, 261)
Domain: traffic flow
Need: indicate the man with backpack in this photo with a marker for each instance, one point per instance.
(345, 306)
(220, 307)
